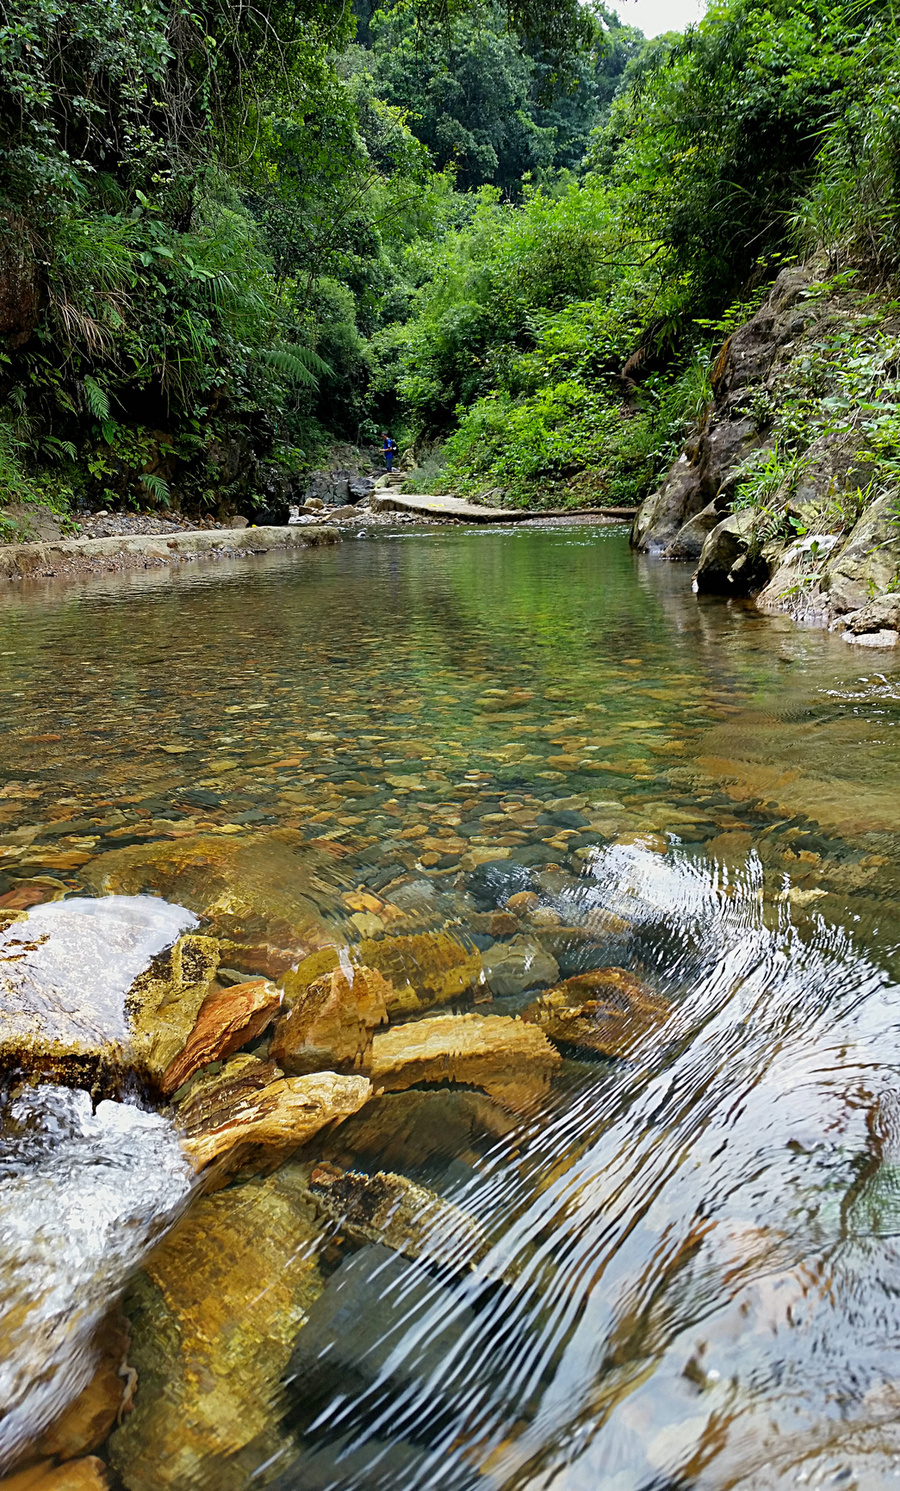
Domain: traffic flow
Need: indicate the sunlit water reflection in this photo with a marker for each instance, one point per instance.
(694, 1265)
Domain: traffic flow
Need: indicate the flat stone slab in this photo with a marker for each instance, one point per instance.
(432, 506)
(66, 556)
(440, 507)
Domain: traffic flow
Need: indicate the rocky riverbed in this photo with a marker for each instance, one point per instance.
(115, 995)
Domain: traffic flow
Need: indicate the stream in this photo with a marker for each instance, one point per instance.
(691, 1275)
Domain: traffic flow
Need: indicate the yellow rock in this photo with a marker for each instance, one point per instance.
(330, 1025)
(214, 1318)
(76, 1475)
(606, 1009)
(423, 970)
(280, 1116)
(493, 1052)
(390, 1209)
(164, 1002)
(86, 1422)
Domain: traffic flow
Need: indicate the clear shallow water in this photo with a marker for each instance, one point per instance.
(695, 1270)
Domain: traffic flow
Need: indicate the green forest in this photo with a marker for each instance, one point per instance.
(513, 234)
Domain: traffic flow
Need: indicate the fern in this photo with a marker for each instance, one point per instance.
(158, 489)
(299, 364)
(96, 398)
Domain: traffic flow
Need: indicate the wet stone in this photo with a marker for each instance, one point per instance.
(493, 1052)
(227, 1020)
(76, 984)
(607, 1010)
(394, 1210)
(211, 1346)
(281, 1116)
(332, 1021)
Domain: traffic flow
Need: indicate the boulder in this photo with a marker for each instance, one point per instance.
(661, 515)
(254, 888)
(689, 540)
(390, 1209)
(227, 1020)
(508, 1059)
(80, 989)
(730, 564)
(512, 967)
(867, 563)
(164, 1002)
(882, 613)
(281, 1115)
(214, 1320)
(331, 1023)
(606, 1009)
(704, 475)
(842, 576)
(361, 487)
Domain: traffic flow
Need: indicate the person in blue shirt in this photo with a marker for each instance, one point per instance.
(390, 450)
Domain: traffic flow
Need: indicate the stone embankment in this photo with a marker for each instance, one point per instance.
(818, 537)
(84, 556)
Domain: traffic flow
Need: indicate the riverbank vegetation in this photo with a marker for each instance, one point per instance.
(229, 237)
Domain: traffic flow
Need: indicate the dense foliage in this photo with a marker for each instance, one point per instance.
(516, 232)
(564, 345)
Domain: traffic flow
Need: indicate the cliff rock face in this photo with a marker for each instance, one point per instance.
(697, 492)
(820, 536)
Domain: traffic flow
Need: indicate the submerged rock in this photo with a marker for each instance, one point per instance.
(387, 1208)
(228, 1019)
(332, 1022)
(67, 981)
(380, 1317)
(282, 1115)
(261, 891)
(512, 967)
(214, 1321)
(85, 1423)
(76, 1475)
(427, 969)
(84, 1197)
(508, 1059)
(404, 1130)
(605, 1009)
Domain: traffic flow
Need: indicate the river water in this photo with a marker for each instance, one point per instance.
(693, 1277)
